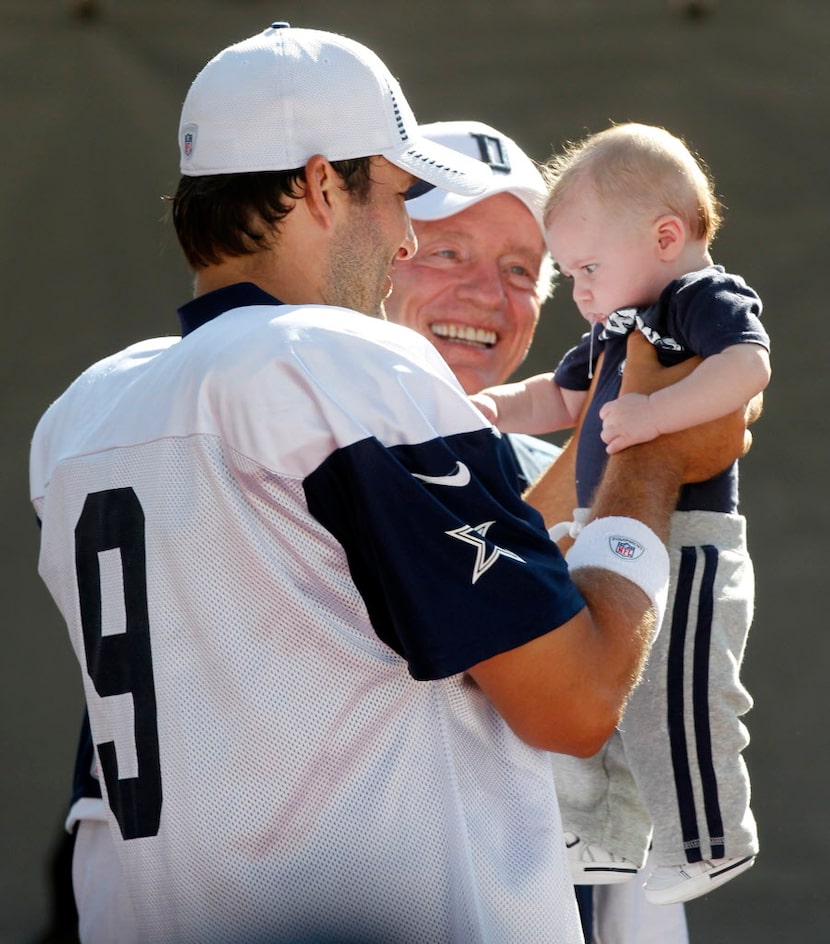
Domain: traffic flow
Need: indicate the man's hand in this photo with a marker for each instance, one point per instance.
(702, 451)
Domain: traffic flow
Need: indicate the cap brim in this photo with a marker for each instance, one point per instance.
(442, 167)
(512, 171)
(436, 204)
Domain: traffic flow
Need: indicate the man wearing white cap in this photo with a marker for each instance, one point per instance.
(476, 285)
(322, 638)
(475, 288)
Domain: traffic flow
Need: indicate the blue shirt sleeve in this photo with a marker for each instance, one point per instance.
(704, 313)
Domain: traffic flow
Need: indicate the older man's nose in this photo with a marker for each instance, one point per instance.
(484, 286)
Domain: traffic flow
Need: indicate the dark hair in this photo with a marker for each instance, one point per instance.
(237, 214)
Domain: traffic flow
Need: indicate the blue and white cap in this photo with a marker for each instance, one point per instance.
(512, 170)
(275, 100)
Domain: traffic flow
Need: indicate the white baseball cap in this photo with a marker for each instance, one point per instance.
(512, 171)
(276, 99)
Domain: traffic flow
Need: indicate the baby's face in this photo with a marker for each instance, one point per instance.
(609, 255)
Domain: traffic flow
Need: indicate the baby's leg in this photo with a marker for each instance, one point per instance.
(682, 729)
(602, 809)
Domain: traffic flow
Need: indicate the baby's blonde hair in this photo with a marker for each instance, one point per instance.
(640, 166)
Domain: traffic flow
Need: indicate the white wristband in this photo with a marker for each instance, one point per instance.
(629, 548)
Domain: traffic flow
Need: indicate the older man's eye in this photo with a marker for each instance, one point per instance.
(521, 275)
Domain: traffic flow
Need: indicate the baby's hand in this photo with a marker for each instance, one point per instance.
(486, 405)
(627, 421)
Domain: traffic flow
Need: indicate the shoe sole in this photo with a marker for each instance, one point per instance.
(701, 884)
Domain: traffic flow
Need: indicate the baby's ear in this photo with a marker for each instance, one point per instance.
(670, 234)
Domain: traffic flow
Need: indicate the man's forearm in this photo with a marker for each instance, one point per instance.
(641, 482)
(565, 690)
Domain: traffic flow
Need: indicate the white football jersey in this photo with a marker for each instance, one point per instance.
(278, 542)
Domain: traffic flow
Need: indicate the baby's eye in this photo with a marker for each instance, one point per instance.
(590, 268)
(447, 253)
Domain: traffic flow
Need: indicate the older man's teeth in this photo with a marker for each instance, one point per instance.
(465, 333)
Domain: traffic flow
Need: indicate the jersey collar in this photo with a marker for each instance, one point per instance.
(206, 307)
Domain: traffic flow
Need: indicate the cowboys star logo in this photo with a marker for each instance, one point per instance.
(484, 558)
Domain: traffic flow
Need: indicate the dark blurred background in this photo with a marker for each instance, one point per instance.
(89, 102)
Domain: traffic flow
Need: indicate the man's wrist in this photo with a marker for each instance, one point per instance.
(641, 482)
(629, 548)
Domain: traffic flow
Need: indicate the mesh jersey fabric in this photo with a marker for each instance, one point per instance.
(272, 768)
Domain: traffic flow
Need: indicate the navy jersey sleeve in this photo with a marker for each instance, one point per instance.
(452, 565)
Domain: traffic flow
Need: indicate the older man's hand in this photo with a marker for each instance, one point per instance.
(702, 451)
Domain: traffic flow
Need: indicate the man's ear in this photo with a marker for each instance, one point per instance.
(670, 235)
(323, 190)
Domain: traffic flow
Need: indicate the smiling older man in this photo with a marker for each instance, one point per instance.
(475, 287)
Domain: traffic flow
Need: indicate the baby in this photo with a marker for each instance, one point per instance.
(630, 218)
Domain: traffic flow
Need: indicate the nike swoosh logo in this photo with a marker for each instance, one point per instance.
(458, 478)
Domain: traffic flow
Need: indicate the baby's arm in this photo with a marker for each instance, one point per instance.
(721, 384)
(536, 405)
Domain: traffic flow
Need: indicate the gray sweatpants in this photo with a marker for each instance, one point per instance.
(672, 774)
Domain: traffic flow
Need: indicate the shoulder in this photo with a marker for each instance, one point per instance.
(714, 282)
(106, 375)
(329, 378)
(710, 310)
(278, 354)
(339, 339)
(65, 428)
